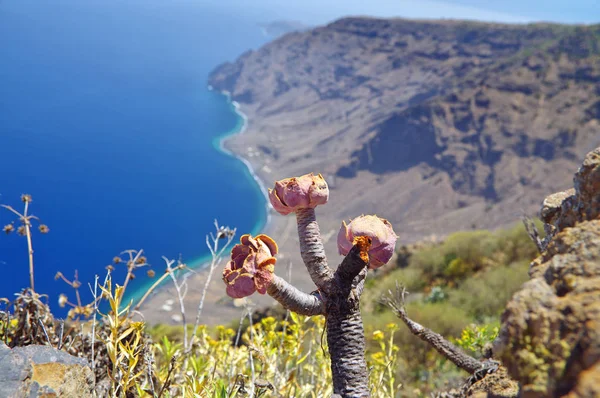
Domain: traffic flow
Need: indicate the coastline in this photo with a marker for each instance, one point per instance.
(220, 145)
(161, 306)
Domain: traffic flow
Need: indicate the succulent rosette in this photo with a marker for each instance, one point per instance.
(251, 267)
(379, 230)
(292, 194)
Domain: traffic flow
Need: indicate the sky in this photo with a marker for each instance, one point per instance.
(514, 11)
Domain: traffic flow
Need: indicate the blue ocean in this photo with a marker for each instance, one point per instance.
(107, 121)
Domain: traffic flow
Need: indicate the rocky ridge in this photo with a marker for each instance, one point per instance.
(437, 125)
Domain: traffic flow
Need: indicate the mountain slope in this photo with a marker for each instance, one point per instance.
(437, 126)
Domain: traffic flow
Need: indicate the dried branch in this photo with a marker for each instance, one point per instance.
(149, 361)
(217, 254)
(533, 233)
(437, 341)
(155, 285)
(96, 299)
(180, 296)
(167, 383)
(135, 261)
(25, 219)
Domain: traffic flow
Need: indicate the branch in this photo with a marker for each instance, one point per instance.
(437, 341)
(295, 300)
(312, 250)
(9, 208)
(533, 233)
(356, 261)
(217, 255)
(180, 297)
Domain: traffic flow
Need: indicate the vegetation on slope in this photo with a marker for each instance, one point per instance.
(458, 288)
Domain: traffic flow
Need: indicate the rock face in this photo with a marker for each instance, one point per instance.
(550, 335)
(42, 371)
(437, 126)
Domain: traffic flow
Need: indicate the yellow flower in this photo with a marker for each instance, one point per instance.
(391, 326)
(378, 335)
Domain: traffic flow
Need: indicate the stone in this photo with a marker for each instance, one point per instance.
(43, 371)
(549, 339)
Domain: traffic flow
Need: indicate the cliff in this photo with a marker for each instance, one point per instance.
(550, 335)
(436, 125)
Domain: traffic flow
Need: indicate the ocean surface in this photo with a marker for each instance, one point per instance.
(106, 120)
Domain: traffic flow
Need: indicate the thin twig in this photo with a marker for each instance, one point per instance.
(216, 254)
(236, 344)
(25, 219)
(533, 233)
(167, 382)
(180, 297)
(44, 330)
(131, 265)
(155, 285)
(61, 335)
(95, 294)
(249, 352)
(285, 321)
(149, 362)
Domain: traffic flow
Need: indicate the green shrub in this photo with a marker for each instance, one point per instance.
(486, 294)
(465, 253)
(474, 338)
(431, 261)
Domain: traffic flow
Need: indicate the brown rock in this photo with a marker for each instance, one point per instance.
(495, 385)
(552, 204)
(550, 335)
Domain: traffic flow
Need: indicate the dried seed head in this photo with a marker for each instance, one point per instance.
(44, 228)
(116, 259)
(26, 198)
(110, 268)
(21, 230)
(141, 260)
(58, 276)
(62, 300)
(381, 234)
(292, 194)
(251, 267)
(150, 273)
(8, 228)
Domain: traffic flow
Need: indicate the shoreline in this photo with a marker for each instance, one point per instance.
(219, 309)
(221, 147)
(199, 266)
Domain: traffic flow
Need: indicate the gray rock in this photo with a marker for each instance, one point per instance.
(42, 371)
